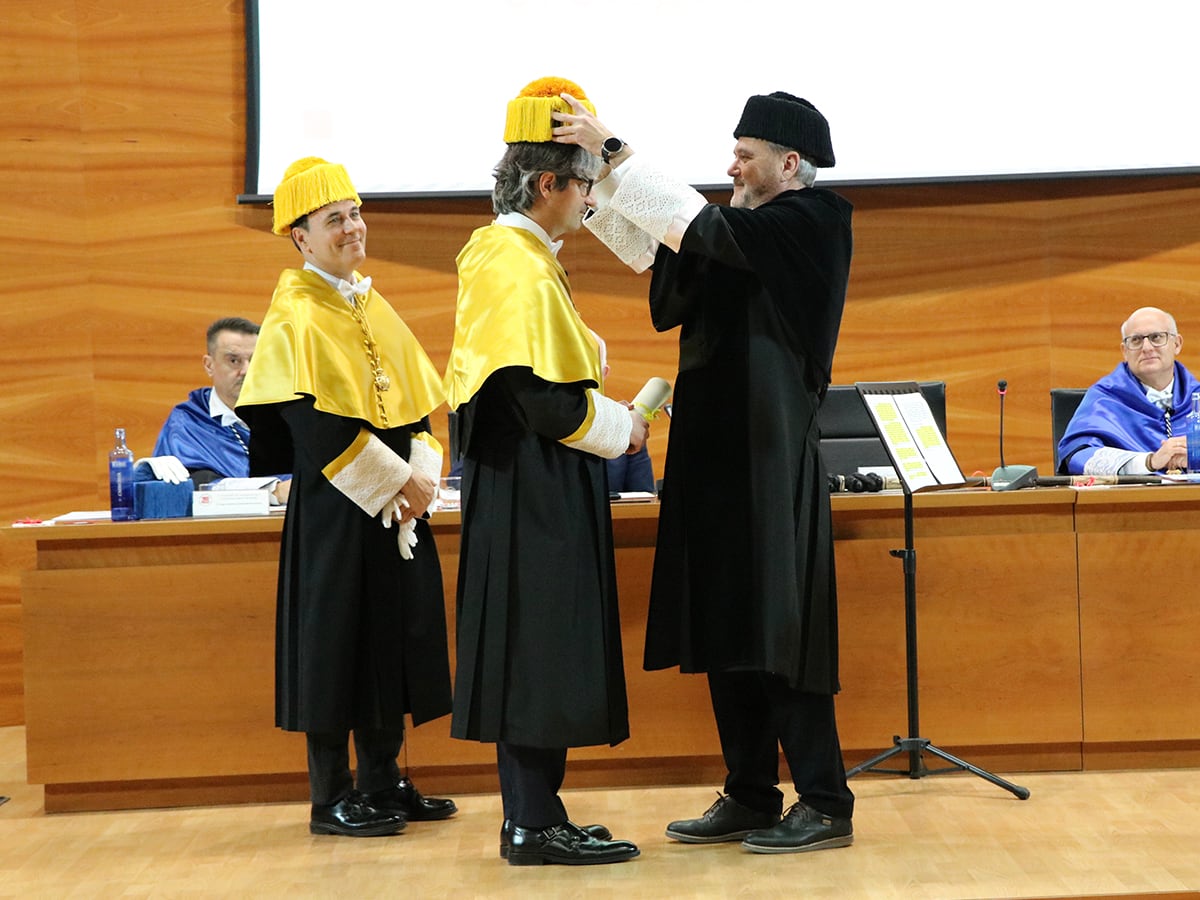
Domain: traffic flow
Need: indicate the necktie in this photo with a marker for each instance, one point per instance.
(1167, 419)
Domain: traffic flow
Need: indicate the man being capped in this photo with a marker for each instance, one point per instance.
(539, 641)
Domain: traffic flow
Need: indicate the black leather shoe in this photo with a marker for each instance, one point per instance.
(352, 816)
(405, 800)
(803, 828)
(599, 832)
(725, 820)
(564, 845)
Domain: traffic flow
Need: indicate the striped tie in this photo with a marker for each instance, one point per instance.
(1167, 419)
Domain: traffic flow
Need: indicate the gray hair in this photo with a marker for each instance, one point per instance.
(523, 162)
(806, 171)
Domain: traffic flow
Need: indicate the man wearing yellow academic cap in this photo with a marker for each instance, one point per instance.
(539, 641)
(339, 393)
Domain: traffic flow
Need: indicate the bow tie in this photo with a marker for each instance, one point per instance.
(1160, 398)
(349, 291)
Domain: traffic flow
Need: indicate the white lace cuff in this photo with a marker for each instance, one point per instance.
(606, 430)
(369, 472)
(425, 455)
(628, 243)
(1113, 461)
(656, 203)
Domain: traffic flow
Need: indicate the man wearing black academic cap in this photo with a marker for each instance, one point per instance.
(743, 586)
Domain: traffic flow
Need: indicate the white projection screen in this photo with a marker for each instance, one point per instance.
(411, 96)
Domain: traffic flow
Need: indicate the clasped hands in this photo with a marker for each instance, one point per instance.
(411, 502)
(1172, 454)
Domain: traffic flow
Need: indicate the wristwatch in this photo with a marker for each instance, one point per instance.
(610, 148)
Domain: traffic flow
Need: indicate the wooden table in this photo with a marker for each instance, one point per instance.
(149, 649)
(1139, 615)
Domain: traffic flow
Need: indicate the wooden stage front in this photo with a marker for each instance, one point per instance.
(1050, 638)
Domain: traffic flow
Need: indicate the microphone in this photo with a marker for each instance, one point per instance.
(651, 397)
(1002, 390)
(1010, 478)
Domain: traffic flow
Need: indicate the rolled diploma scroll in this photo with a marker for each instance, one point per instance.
(651, 397)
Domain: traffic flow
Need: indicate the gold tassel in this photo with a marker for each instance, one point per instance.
(529, 114)
(308, 184)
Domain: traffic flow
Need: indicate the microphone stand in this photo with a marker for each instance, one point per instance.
(914, 745)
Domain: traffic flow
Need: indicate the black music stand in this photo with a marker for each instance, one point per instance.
(923, 462)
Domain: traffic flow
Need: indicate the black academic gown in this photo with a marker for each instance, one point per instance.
(744, 572)
(539, 638)
(360, 632)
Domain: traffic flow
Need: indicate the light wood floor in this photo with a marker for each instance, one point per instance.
(943, 836)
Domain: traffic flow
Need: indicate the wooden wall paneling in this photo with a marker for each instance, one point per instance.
(122, 145)
(46, 385)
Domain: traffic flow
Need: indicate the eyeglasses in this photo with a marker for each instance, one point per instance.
(584, 183)
(1156, 339)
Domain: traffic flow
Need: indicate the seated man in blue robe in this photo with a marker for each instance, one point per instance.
(1131, 421)
(204, 433)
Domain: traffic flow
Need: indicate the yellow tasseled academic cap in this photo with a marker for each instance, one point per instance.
(309, 184)
(529, 112)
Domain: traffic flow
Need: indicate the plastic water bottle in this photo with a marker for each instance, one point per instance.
(1193, 434)
(120, 479)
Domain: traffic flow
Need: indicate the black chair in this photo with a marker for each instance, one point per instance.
(1063, 403)
(848, 436)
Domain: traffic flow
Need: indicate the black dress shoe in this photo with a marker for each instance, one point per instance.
(564, 845)
(597, 831)
(352, 816)
(803, 828)
(725, 820)
(405, 800)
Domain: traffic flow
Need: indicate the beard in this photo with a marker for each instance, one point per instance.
(747, 197)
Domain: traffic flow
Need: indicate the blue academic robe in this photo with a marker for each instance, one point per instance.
(200, 441)
(1115, 412)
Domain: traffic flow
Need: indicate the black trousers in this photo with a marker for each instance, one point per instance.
(758, 712)
(530, 778)
(329, 777)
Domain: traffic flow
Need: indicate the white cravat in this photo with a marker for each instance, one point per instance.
(341, 285)
(1163, 400)
(350, 291)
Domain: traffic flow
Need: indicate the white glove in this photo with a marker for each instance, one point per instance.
(406, 533)
(406, 538)
(392, 510)
(166, 468)
(423, 458)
